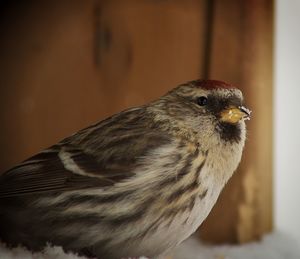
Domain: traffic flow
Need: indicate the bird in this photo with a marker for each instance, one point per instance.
(135, 184)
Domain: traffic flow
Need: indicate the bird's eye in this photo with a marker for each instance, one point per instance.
(202, 100)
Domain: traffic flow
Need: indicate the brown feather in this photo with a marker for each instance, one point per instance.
(104, 158)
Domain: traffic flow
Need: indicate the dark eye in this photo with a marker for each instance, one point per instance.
(202, 100)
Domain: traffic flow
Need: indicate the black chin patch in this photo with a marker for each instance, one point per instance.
(229, 132)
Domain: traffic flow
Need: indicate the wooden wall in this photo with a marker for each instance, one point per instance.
(66, 64)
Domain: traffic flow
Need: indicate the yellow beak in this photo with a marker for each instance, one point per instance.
(235, 114)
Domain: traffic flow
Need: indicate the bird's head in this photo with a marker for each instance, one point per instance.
(210, 109)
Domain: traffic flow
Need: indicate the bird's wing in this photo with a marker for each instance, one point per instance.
(98, 156)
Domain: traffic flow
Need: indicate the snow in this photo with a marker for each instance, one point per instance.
(273, 246)
(48, 253)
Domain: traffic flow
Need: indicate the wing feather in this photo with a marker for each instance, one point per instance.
(94, 157)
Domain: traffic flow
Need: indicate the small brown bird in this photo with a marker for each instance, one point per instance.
(135, 184)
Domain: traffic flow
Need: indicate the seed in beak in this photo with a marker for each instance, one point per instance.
(235, 114)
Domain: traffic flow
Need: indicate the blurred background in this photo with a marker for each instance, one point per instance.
(67, 64)
(287, 125)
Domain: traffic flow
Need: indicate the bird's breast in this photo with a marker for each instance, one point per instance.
(185, 201)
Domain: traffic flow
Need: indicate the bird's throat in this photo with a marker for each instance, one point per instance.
(229, 132)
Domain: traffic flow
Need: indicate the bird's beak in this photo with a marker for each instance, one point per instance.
(235, 114)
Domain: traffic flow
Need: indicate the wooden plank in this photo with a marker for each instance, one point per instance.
(49, 85)
(241, 53)
(159, 43)
(67, 64)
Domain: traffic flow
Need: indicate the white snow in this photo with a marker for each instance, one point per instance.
(273, 246)
(48, 253)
